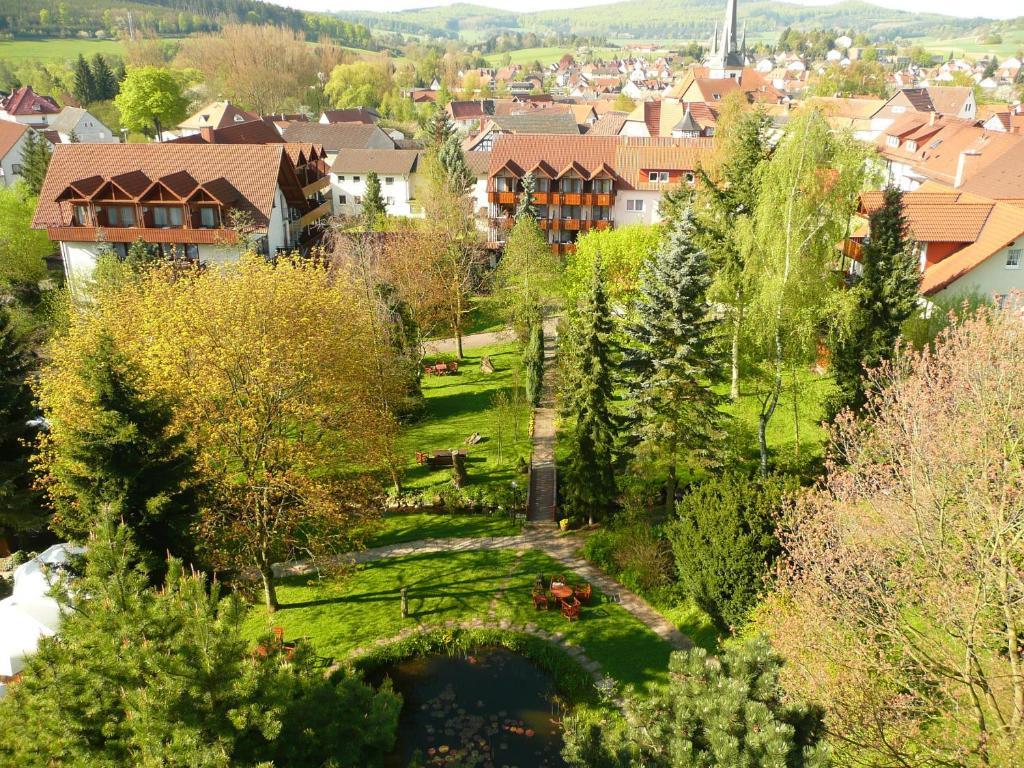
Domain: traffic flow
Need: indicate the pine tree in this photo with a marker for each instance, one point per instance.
(35, 159)
(886, 297)
(453, 161)
(373, 204)
(589, 486)
(439, 129)
(718, 712)
(672, 358)
(137, 676)
(525, 207)
(123, 455)
(20, 506)
(84, 84)
(104, 78)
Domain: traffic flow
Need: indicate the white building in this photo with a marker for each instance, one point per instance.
(13, 137)
(81, 124)
(396, 170)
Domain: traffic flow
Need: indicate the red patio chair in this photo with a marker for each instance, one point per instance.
(540, 601)
(453, 367)
(583, 593)
(571, 609)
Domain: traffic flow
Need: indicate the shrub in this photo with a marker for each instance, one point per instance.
(724, 542)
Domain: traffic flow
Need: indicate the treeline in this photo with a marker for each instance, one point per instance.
(43, 18)
(514, 41)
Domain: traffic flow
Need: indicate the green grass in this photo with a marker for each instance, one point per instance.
(1013, 41)
(485, 316)
(547, 55)
(16, 51)
(456, 407)
(403, 527)
(341, 616)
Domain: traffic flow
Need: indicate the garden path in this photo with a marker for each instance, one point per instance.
(561, 548)
(543, 476)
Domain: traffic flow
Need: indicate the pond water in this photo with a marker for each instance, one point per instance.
(491, 709)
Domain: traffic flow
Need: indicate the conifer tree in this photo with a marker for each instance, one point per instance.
(886, 297)
(104, 78)
(717, 712)
(453, 161)
(84, 84)
(439, 129)
(672, 357)
(137, 676)
(525, 206)
(20, 506)
(122, 455)
(373, 203)
(589, 486)
(35, 159)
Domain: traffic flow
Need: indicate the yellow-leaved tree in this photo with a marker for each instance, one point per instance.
(274, 374)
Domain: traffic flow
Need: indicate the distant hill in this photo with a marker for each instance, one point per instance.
(668, 19)
(74, 18)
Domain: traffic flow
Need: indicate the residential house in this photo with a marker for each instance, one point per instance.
(365, 115)
(948, 150)
(82, 125)
(27, 107)
(1002, 179)
(469, 115)
(967, 244)
(216, 114)
(672, 119)
(197, 202)
(250, 132)
(952, 101)
(334, 137)
(853, 114)
(545, 121)
(12, 144)
(396, 169)
(697, 84)
(1010, 120)
(608, 124)
(586, 182)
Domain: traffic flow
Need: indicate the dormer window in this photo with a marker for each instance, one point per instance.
(239, 119)
(912, 146)
(657, 177)
(893, 141)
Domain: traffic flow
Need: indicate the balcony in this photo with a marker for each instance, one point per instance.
(560, 249)
(571, 224)
(541, 198)
(324, 209)
(315, 186)
(180, 235)
(570, 198)
(502, 198)
(598, 199)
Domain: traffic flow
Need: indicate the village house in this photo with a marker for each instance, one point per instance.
(197, 202)
(13, 137)
(547, 121)
(396, 170)
(365, 115)
(968, 245)
(76, 123)
(586, 182)
(334, 137)
(674, 119)
(216, 114)
(952, 101)
(25, 106)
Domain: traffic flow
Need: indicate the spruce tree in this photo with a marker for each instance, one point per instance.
(123, 455)
(20, 506)
(719, 711)
(373, 204)
(526, 208)
(35, 159)
(439, 129)
(672, 358)
(84, 84)
(589, 486)
(104, 78)
(453, 161)
(886, 297)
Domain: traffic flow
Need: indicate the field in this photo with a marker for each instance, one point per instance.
(16, 51)
(1013, 42)
(527, 56)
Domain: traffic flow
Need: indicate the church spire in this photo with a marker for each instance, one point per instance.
(729, 30)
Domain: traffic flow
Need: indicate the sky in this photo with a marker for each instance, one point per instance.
(1000, 9)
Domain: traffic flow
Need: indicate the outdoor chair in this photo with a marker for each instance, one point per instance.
(540, 601)
(583, 593)
(571, 609)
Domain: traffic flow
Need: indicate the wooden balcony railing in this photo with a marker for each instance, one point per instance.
(598, 199)
(504, 198)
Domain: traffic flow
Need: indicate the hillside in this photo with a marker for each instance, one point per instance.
(101, 18)
(667, 19)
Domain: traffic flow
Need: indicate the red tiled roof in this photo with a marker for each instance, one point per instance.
(1002, 180)
(252, 170)
(1005, 224)
(10, 134)
(249, 132)
(24, 101)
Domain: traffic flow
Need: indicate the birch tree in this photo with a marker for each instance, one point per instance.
(806, 195)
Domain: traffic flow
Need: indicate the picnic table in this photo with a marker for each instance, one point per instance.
(441, 369)
(561, 591)
(440, 458)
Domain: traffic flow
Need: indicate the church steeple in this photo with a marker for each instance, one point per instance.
(728, 53)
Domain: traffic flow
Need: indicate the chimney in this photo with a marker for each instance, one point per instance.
(961, 166)
(206, 132)
(931, 118)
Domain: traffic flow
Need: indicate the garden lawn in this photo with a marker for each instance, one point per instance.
(404, 527)
(456, 407)
(485, 316)
(16, 51)
(340, 616)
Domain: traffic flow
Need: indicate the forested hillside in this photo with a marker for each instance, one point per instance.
(98, 18)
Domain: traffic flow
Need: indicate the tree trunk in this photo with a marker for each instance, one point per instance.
(458, 342)
(734, 388)
(269, 590)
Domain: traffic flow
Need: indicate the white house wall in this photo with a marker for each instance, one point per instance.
(649, 215)
(990, 278)
(398, 194)
(11, 159)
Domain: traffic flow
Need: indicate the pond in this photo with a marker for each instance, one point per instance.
(490, 709)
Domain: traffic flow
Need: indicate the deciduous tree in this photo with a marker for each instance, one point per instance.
(151, 97)
(901, 602)
(22, 248)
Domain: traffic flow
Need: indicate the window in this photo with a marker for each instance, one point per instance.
(542, 212)
(115, 215)
(355, 178)
(192, 252)
(389, 201)
(689, 178)
(205, 217)
(81, 215)
(358, 200)
(389, 179)
(341, 178)
(893, 141)
(602, 186)
(571, 185)
(570, 211)
(166, 216)
(543, 184)
(912, 146)
(635, 205)
(657, 177)
(716, 96)
(600, 213)
(16, 169)
(342, 199)
(1013, 257)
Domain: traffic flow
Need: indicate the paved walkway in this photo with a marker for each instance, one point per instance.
(475, 340)
(558, 547)
(543, 477)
